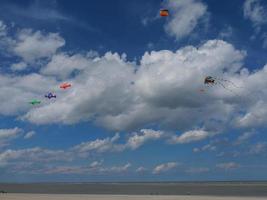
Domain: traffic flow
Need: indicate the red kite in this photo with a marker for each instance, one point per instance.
(65, 86)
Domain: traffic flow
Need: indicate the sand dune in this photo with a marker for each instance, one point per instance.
(115, 197)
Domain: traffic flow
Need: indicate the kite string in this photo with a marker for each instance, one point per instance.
(221, 79)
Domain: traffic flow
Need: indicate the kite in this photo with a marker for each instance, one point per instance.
(164, 13)
(211, 81)
(35, 102)
(50, 95)
(65, 86)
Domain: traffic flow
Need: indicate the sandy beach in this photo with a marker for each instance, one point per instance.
(237, 189)
(115, 197)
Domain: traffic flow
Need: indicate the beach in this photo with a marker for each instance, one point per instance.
(244, 189)
(135, 191)
(115, 197)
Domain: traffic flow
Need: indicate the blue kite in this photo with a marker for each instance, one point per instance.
(50, 95)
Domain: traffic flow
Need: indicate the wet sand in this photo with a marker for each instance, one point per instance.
(115, 197)
(244, 189)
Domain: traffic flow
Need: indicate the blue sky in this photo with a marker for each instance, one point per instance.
(138, 108)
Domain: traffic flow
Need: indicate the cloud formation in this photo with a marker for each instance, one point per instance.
(7, 135)
(165, 167)
(255, 12)
(228, 166)
(184, 17)
(120, 95)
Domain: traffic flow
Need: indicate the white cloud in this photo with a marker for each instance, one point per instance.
(184, 17)
(165, 167)
(29, 135)
(33, 154)
(96, 164)
(35, 45)
(256, 115)
(17, 91)
(63, 65)
(255, 12)
(19, 66)
(136, 140)
(228, 166)
(119, 95)
(117, 169)
(99, 170)
(191, 136)
(107, 83)
(99, 145)
(9, 133)
(141, 170)
(161, 92)
(110, 144)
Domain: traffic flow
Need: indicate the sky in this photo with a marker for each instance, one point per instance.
(137, 108)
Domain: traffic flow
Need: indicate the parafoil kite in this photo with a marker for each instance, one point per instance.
(164, 12)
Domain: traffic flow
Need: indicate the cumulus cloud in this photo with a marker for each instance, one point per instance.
(185, 16)
(32, 45)
(120, 95)
(107, 83)
(136, 140)
(191, 136)
(165, 167)
(63, 65)
(100, 145)
(19, 66)
(255, 116)
(82, 150)
(17, 91)
(110, 144)
(159, 92)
